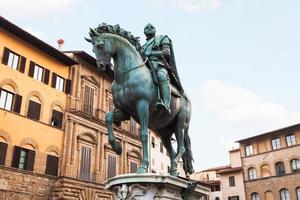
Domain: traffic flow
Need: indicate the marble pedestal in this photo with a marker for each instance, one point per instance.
(155, 186)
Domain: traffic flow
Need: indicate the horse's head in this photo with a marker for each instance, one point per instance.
(103, 49)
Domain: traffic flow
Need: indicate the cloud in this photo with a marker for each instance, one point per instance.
(234, 104)
(193, 6)
(35, 8)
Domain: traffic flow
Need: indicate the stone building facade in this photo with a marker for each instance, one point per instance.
(271, 164)
(88, 159)
(34, 86)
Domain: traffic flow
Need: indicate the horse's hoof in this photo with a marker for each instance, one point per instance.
(174, 173)
(142, 170)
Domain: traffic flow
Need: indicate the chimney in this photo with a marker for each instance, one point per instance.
(60, 43)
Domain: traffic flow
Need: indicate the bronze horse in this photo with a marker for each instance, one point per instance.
(135, 94)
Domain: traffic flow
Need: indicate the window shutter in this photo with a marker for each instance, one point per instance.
(68, 86)
(52, 165)
(16, 157)
(30, 160)
(133, 167)
(46, 76)
(17, 103)
(3, 149)
(53, 83)
(111, 171)
(31, 69)
(5, 56)
(34, 110)
(22, 64)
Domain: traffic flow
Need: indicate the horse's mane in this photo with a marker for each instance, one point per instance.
(117, 30)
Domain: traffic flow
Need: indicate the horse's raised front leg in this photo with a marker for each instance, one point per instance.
(115, 116)
(143, 115)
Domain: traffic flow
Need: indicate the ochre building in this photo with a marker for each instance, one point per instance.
(271, 164)
(34, 86)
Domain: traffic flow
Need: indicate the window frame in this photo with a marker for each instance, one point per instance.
(60, 83)
(255, 196)
(38, 72)
(280, 172)
(249, 150)
(295, 165)
(286, 194)
(276, 143)
(5, 99)
(11, 57)
(109, 173)
(231, 180)
(298, 193)
(289, 141)
(252, 175)
(86, 153)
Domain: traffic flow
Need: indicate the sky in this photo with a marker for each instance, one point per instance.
(238, 60)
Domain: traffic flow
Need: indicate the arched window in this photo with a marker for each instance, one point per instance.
(217, 198)
(34, 108)
(284, 194)
(298, 193)
(295, 164)
(255, 196)
(57, 116)
(280, 171)
(252, 173)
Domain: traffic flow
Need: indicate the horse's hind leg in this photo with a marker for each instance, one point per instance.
(115, 117)
(166, 140)
(179, 133)
(142, 108)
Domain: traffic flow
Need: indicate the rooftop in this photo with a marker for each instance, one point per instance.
(34, 41)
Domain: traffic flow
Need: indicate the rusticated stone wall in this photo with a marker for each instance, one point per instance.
(74, 189)
(22, 185)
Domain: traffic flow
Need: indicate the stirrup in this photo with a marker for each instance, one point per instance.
(160, 105)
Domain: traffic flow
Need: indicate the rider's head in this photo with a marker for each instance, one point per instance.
(149, 30)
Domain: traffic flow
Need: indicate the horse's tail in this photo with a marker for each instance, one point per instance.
(187, 156)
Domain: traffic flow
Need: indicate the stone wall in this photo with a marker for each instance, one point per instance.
(22, 185)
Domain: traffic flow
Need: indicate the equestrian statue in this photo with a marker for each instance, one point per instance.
(147, 88)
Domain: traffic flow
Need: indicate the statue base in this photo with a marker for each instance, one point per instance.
(155, 186)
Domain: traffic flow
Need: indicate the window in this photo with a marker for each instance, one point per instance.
(110, 104)
(276, 144)
(290, 140)
(280, 171)
(6, 100)
(217, 198)
(255, 196)
(298, 193)
(295, 164)
(23, 158)
(133, 167)
(34, 110)
(231, 181)
(10, 101)
(249, 150)
(3, 149)
(52, 165)
(284, 194)
(88, 106)
(58, 83)
(111, 166)
(161, 147)
(133, 126)
(13, 60)
(233, 198)
(216, 188)
(252, 173)
(38, 73)
(153, 142)
(57, 118)
(85, 163)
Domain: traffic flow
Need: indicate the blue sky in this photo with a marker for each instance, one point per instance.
(239, 60)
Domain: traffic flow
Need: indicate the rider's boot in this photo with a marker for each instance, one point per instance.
(165, 91)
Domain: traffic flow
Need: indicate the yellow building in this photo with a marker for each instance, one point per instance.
(33, 94)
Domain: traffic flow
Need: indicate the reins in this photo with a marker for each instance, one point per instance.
(141, 65)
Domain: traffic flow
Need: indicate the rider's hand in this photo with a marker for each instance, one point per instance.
(147, 53)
